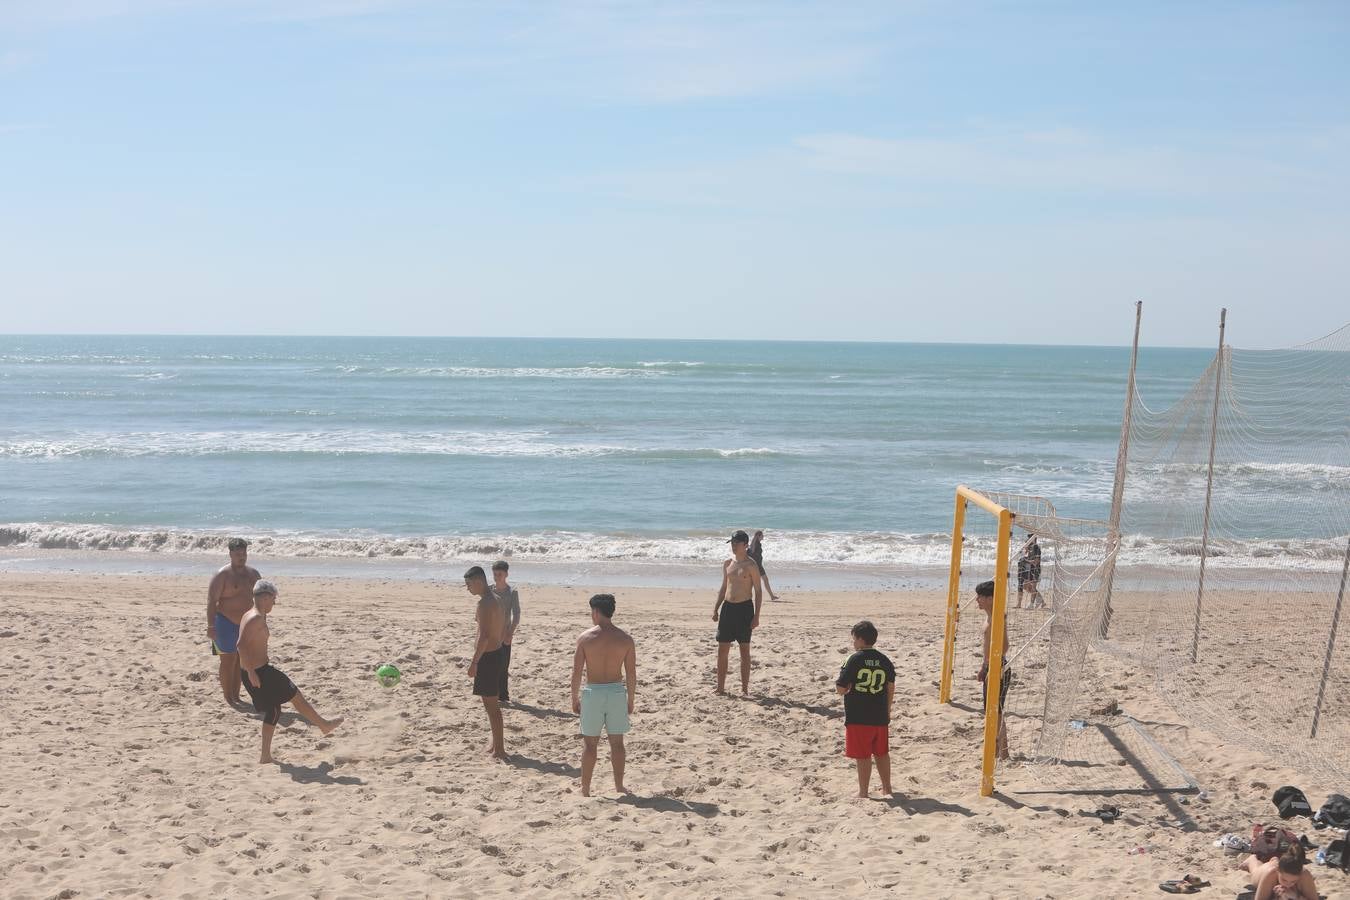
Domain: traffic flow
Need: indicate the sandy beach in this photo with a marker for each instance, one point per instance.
(129, 776)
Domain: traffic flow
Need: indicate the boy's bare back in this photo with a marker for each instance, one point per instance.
(253, 635)
(605, 650)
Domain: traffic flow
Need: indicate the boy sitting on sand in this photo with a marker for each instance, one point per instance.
(867, 682)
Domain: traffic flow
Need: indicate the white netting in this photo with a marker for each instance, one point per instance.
(1065, 728)
(1235, 605)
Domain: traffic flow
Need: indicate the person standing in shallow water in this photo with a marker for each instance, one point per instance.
(736, 611)
(228, 598)
(609, 659)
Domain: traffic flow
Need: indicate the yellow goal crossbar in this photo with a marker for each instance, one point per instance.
(994, 677)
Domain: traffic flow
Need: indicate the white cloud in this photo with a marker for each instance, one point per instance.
(866, 172)
(637, 50)
(599, 50)
(58, 13)
(12, 60)
(1064, 159)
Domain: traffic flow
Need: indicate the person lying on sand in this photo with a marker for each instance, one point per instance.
(609, 659)
(740, 614)
(1285, 877)
(268, 686)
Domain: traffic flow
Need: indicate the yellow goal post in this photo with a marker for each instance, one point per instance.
(994, 676)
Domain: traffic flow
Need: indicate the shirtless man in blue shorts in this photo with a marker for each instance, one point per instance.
(609, 659)
(227, 599)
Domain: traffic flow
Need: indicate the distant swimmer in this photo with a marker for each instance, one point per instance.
(609, 659)
(486, 666)
(227, 599)
(737, 609)
(510, 601)
(756, 552)
(268, 686)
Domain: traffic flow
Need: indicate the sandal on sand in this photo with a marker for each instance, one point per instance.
(1108, 813)
(1191, 884)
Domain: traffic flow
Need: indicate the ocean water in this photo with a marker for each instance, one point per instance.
(560, 450)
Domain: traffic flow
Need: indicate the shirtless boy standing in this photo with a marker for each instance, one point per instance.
(227, 599)
(486, 666)
(610, 661)
(736, 616)
(268, 686)
(984, 599)
(509, 598)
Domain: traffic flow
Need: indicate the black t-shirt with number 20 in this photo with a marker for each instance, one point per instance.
(867, 674)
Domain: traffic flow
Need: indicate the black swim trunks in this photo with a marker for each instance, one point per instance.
(1003, 687)
(733, 622)
(276, 689)
(487, 681)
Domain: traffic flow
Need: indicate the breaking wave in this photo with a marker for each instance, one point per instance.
(920, 551)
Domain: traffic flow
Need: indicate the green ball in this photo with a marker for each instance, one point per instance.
(388, 675)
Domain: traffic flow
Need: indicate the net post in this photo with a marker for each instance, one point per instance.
(993, 678)
(953, 601)
(1331, 641)
(1209, 486)
(1118, 486)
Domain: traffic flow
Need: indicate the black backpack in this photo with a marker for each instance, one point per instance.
(1290, 802)
(1337, 853)
(1335, 813)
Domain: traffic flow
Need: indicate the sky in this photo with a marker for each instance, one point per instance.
(901, 171)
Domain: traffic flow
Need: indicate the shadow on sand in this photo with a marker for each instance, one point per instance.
(542, 712)
(670, 804)
(922, 806)
(319, 774)
(828, 712)
(552, 768)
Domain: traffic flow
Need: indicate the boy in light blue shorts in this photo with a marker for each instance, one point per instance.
(609, 659)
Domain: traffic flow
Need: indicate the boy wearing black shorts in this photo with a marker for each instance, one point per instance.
(984, 599)
(867, 682)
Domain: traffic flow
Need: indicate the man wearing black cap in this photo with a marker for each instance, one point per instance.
(736, 616)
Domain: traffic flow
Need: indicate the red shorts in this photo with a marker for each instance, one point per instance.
(863, 741)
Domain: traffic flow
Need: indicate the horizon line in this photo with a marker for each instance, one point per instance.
(510, 337)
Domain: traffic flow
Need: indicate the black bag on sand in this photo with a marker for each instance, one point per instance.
(1290, 802)
(1335, 813)
(1337, 854)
